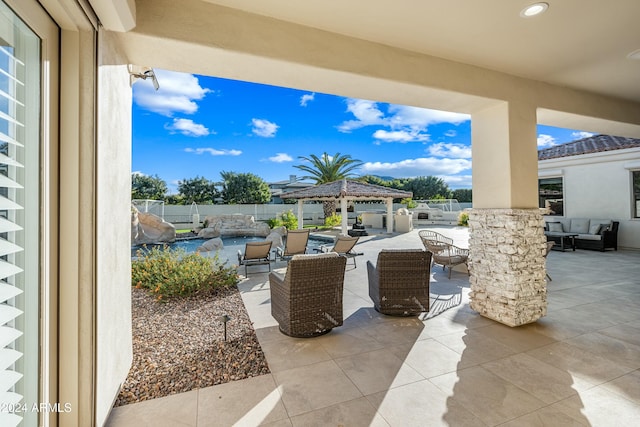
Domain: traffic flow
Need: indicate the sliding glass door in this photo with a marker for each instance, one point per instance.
(24, 163)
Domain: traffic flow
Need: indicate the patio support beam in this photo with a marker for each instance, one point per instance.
(506, 238)
(344, 215)
(389, 215)
(300, 217)
(505, 157)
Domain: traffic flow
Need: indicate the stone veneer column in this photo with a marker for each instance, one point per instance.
(507, 265)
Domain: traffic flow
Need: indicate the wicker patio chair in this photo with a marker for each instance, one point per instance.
(443, 241)
(295, 244)
(307, 300)
(255, 253)
(399, 283)
(446, 254)
(343, 245)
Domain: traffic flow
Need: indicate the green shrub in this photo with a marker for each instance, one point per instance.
(463, 219)
(409, 202)
(274, 223)
(286, 219)
(167, 272)
(333, 220)
(289, 220)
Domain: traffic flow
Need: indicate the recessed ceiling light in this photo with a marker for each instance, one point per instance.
(634, 55)
(534, 10)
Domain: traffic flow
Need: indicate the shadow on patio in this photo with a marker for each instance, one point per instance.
(579, 365)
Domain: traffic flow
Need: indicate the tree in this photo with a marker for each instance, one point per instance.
(198, 189)
(242, 188)
(174, 199)
(428, 187)
(147, 187)
(375, 180)
(463, 195)
(328, 169)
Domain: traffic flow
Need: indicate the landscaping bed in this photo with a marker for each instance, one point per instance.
(179, 345)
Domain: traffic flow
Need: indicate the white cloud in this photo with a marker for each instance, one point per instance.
(423, 166)
(545, 141)
(402, 115)
(213, 151)
(365, 112)
(404, 123)
(450, 133)
(281, 158)
(400, 135)
(187, 127)
(139, 173)
(457, 181)
(582, 134)
(177, 94)
(264, 128)
(455, 151)
(306, 98)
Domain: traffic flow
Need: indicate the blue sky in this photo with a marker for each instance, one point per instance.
(199, 126)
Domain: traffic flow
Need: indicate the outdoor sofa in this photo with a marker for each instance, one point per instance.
(597, 234)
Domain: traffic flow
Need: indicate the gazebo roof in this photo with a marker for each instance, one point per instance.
(347, 189)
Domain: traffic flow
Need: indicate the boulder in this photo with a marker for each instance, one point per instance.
(282, 230)
(237, 225)
(276, 238)
(211, 245)
(150, 228)
(209, 233)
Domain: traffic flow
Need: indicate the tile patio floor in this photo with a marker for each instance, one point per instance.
(578, 366)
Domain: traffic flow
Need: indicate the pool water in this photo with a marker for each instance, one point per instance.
(231, 246)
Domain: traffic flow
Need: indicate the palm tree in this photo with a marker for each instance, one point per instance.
(328, 169)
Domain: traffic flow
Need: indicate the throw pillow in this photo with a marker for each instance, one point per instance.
(603, 228)
(579, 226)
(555, 227)
(595, 229)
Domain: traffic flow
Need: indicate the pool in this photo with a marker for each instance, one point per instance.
(231, 246)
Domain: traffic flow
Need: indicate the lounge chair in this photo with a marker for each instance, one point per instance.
(307, 300)
(343, 245)
(255, 253)
(295, 244)
(444, 253)
(399, 283)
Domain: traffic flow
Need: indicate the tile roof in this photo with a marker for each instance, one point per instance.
(593, 144)
(348, 188)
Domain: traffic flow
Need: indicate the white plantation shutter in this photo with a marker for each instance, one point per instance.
(17, 146)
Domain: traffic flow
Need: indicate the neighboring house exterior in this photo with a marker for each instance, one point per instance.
(280, 187)
(595, 177)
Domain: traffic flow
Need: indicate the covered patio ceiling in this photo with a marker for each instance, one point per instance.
(417, 54)
(344, 191)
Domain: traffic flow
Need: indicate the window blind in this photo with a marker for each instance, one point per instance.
(14, 113)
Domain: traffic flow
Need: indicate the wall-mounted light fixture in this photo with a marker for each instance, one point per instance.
(144, 73)
(634, 55)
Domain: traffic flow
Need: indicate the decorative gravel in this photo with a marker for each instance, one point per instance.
(179, 345)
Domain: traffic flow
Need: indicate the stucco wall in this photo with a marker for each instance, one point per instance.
(599, 186)
(113, 293)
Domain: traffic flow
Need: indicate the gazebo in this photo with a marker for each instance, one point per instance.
(344, 191)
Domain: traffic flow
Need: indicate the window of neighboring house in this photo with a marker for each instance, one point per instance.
(551, 195)
(636, 193)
